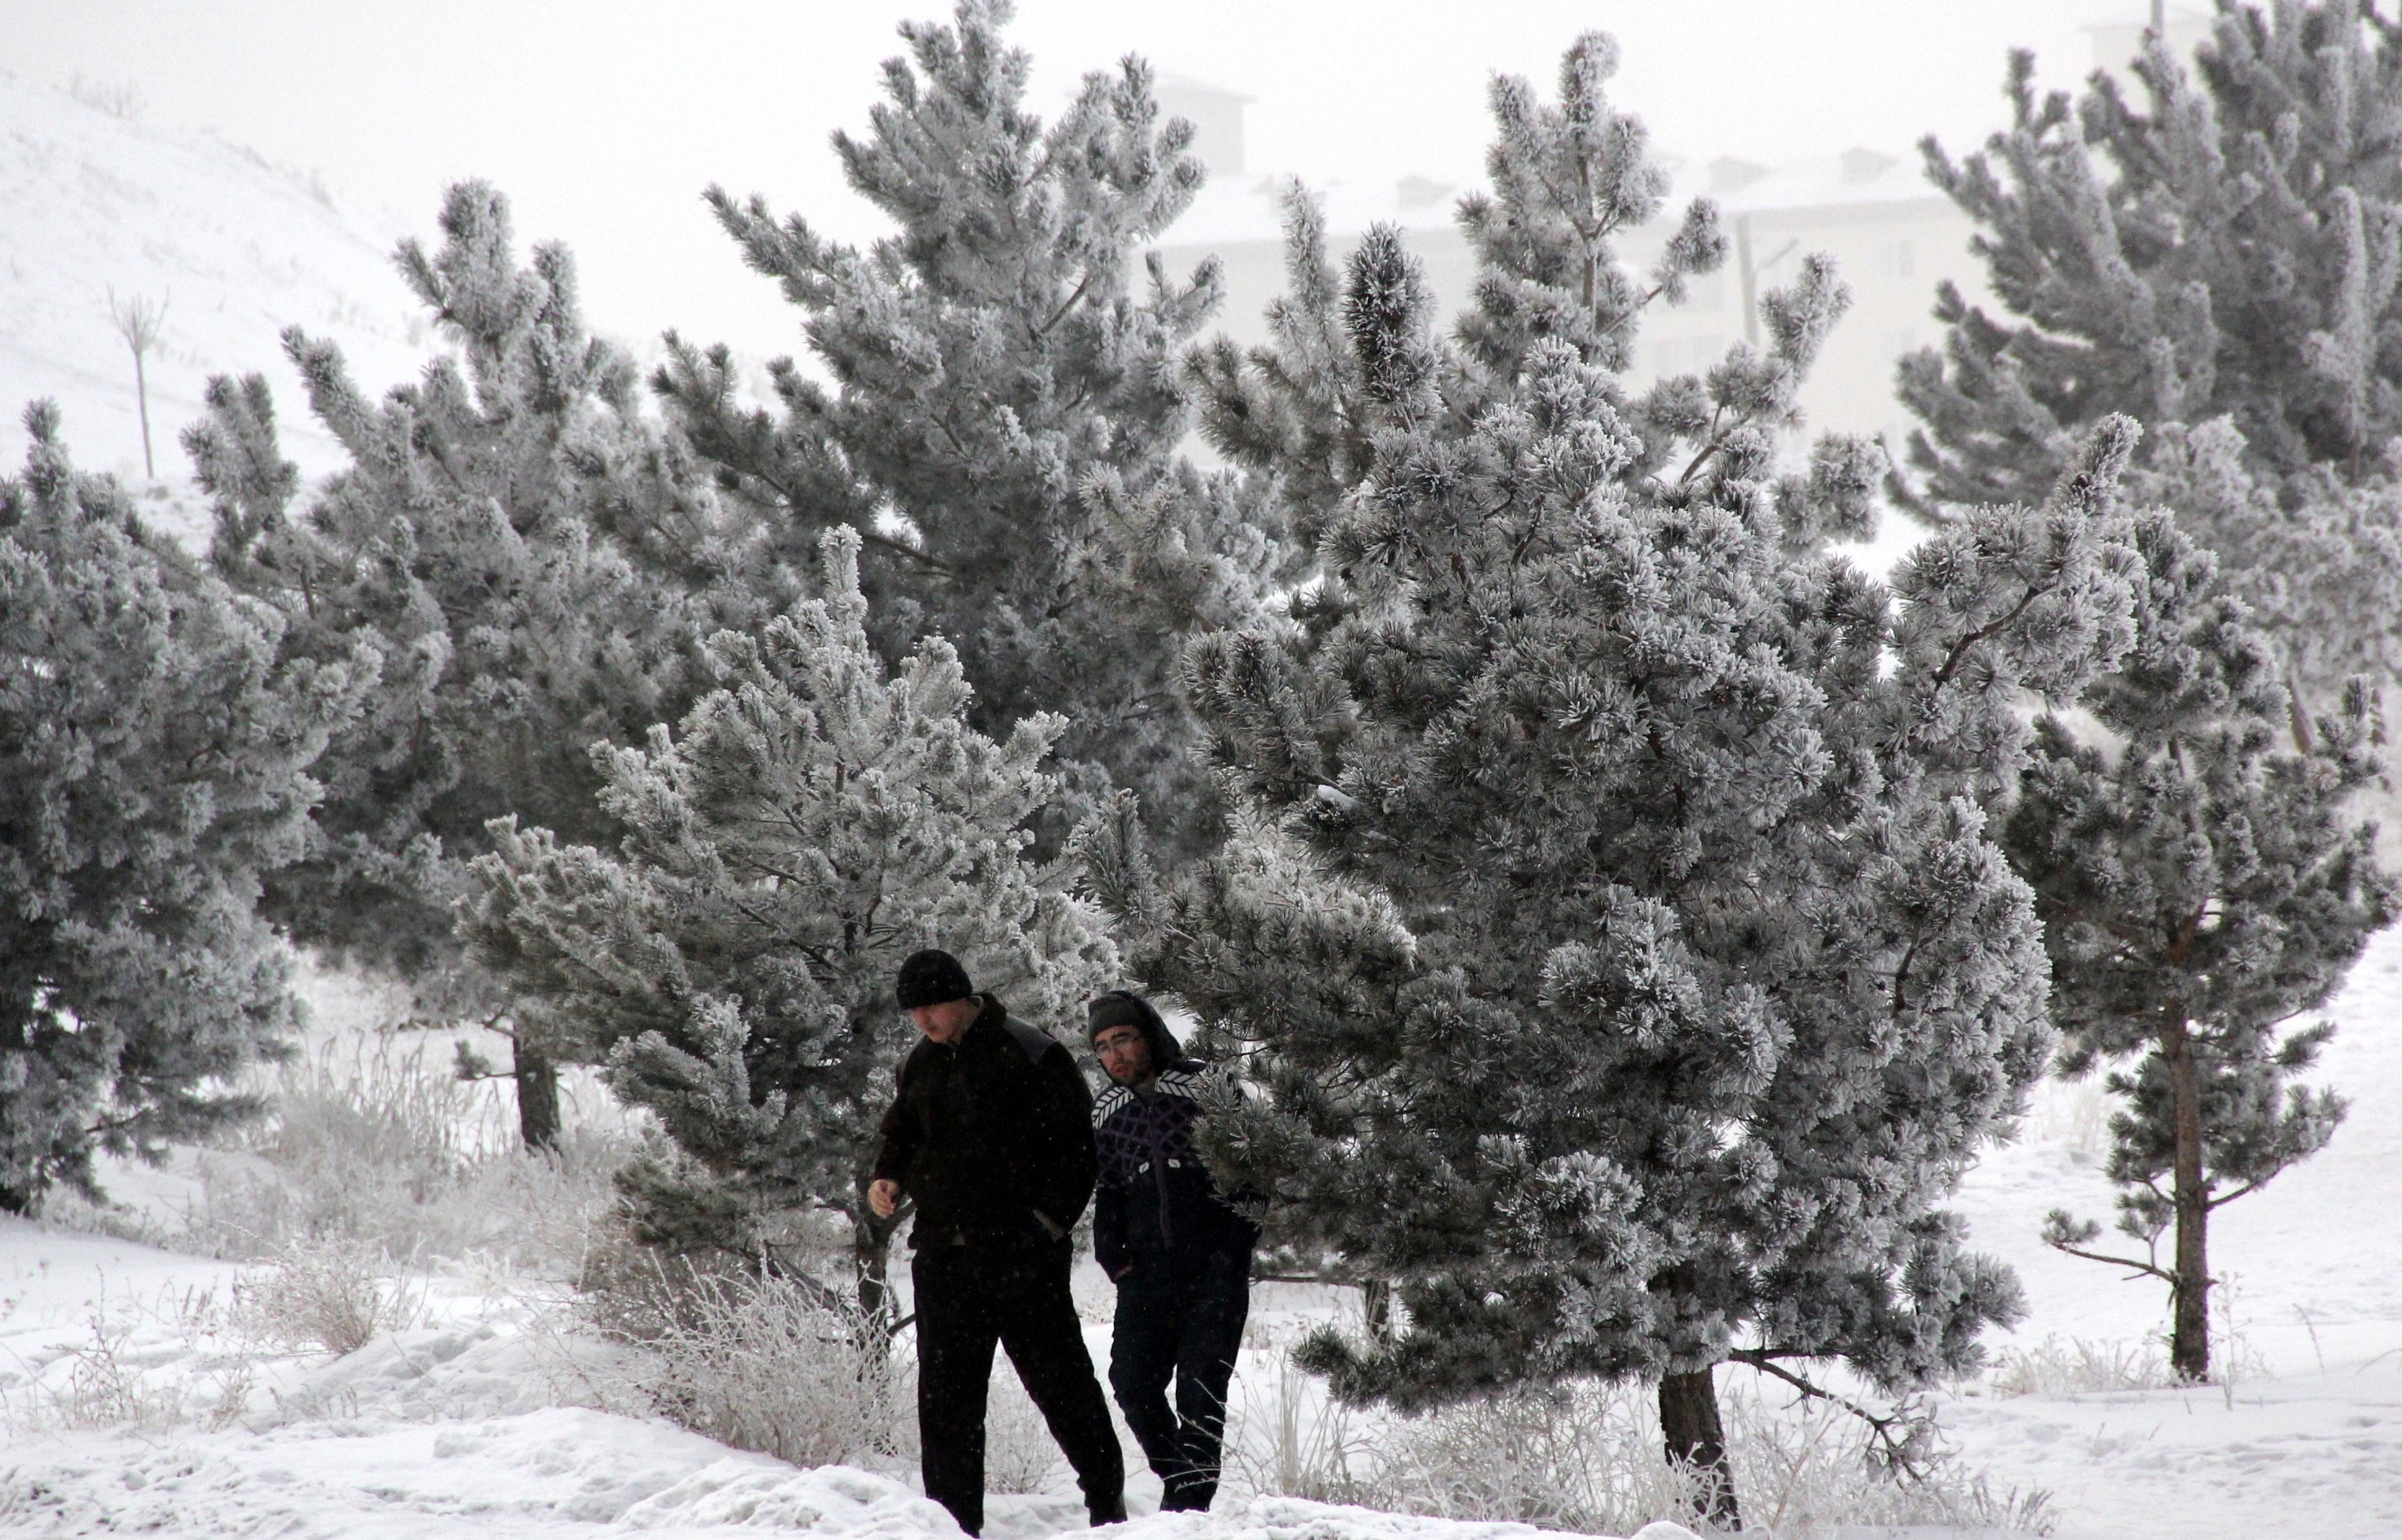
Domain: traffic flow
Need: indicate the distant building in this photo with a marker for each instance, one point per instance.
(1217, 118)
(2119, 44)
(1893, 236)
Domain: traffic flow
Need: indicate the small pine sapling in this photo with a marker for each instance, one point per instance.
(2200, 890)
(813, 819)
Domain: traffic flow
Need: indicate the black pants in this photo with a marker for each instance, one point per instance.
(970, 1297)
(1185, 1325)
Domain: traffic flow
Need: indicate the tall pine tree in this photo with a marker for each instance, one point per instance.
(1611, 917)
(2200, 890)
(998, 411)
(2227, 247)
(536, 562)
(813, 820)
(2221, 253)
(154, 757)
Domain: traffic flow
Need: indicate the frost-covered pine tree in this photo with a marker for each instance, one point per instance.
(1611, 919)
(2221, 253)
(2200, 890)
(154, 755)
(813, 820)
(2319, 577)
(2226, 247)
(998, 412)
(533, 559)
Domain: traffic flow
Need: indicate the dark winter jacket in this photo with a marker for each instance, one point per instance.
(990, 1136)
(1156, 1205)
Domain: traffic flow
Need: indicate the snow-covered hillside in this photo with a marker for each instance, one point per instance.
(237, 248)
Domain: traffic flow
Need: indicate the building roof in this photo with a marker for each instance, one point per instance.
(1249, 207)
(1185, 85)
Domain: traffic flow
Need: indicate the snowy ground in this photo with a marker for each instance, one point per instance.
(479, 1413)
(2308, 1438)
(466, 1422)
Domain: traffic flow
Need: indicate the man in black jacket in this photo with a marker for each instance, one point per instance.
(1180, 1256)
(990, 1137)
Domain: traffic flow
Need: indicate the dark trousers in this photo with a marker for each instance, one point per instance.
(1183, 1325)
(969, 1298)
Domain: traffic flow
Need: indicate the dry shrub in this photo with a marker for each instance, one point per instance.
(781, 1365)
(374, 1140)
(1019, 1454)
(106, 1388)
(1288, 1438)
(143, 1365)
(2079, 1366)
(1587, 1458)
(331, 1295)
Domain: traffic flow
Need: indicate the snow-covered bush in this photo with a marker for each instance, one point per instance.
(1288, 1438)
(331, 1295)
(182, 1356)
(1019, 1453)
(374, 1140)
(370, 1137)
(2078, 1366)
(779, 1364)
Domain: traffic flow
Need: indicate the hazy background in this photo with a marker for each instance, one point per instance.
(604, 120)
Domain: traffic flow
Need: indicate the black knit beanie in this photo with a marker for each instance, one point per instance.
(1125, 1008)
(932, 977)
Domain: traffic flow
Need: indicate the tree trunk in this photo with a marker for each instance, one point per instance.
(2298, 710)
(1696, 1442)
(142, 399)
(871, 1266)
(537, 1080)
(1376, 1307)
(2190, 1328)
(871, 1262)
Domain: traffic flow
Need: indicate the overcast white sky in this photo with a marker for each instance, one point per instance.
(604, 119)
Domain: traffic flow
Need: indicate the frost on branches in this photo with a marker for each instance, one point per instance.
(1611, 918)
(535, 563)
(2215, 256)
(1003, 411)
(154, 754)
(814, 819)
(2200, 890)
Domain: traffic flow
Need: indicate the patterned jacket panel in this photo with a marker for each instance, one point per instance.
(1155, 1202)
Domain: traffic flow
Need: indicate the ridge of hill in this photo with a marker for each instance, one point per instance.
(237, 248)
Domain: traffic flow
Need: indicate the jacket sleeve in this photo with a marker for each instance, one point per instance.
(1064, 1163)
(1109, 1225)
(898, 1132)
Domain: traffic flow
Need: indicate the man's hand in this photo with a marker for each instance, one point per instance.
(884, 1197)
